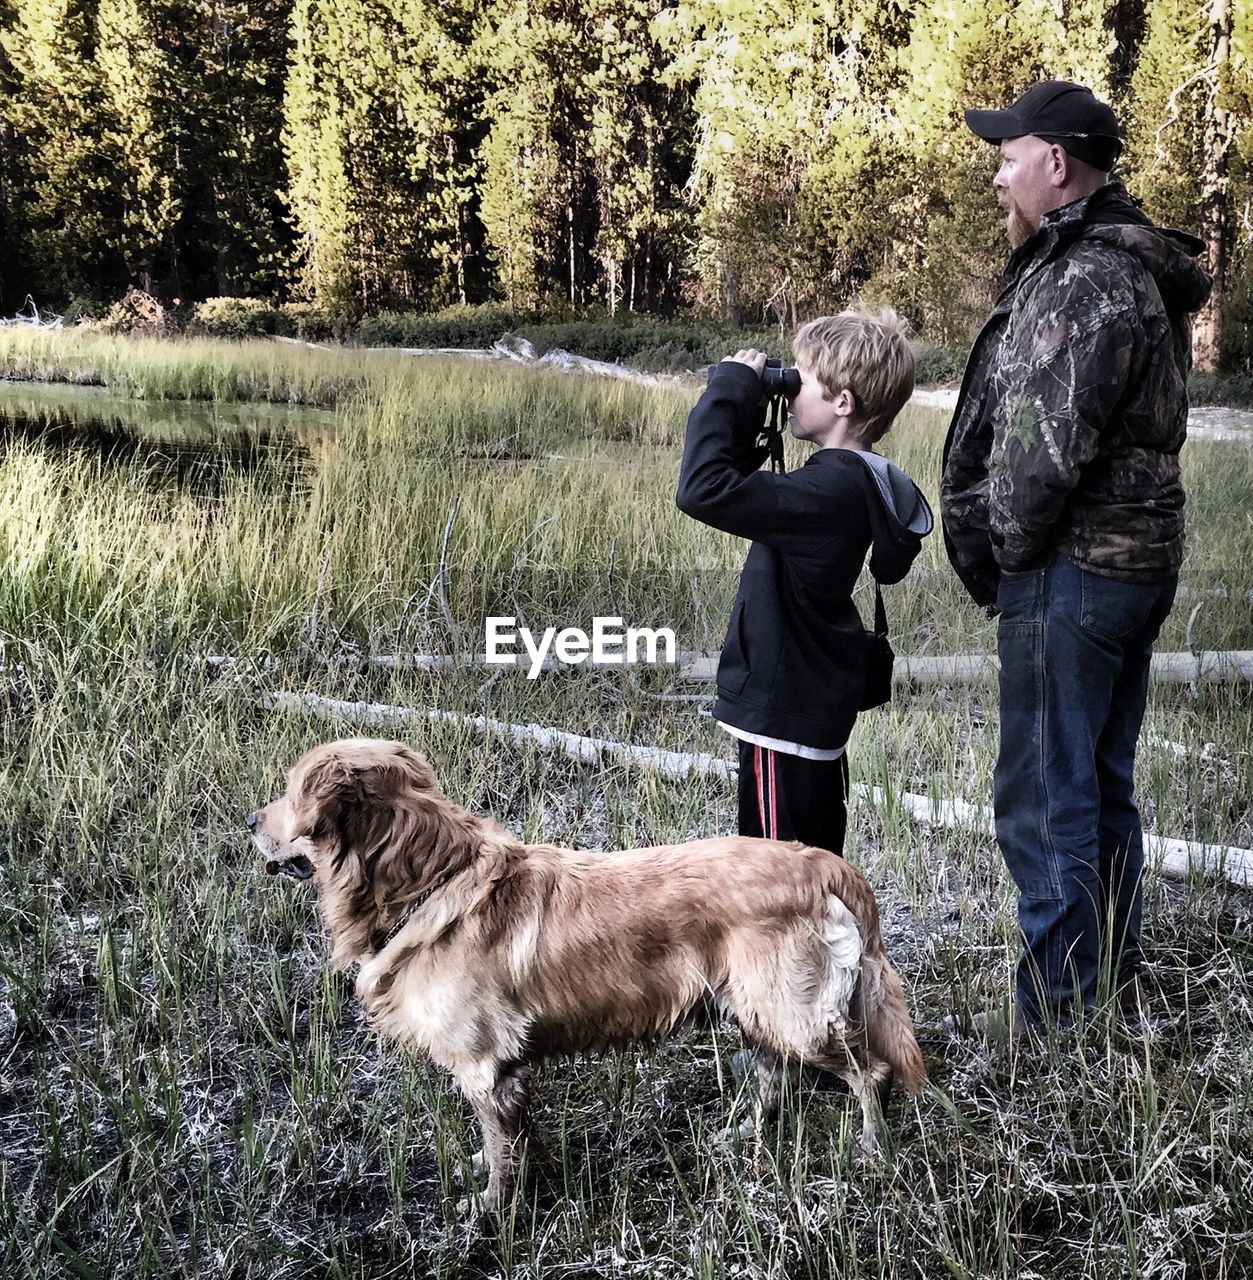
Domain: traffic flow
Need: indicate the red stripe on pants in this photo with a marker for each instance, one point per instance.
(774, 800)
(767, 797)
(761, 790)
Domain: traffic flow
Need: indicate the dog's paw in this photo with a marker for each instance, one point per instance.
(471, 1207)
(734, 1135)
(868, 1153)
(488, 1201)
(467, 1174)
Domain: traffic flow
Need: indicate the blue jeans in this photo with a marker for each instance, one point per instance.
(1074, 651)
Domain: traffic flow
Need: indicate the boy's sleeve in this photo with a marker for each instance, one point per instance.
(719, 483)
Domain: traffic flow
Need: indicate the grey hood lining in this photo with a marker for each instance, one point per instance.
(902, 499)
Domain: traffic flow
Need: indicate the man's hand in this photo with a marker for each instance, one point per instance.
(756, 360)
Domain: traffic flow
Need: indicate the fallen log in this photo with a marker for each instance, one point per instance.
(1219, 667)
(671, 764)
(517, 350)
(1233, 666)
(1173, 857)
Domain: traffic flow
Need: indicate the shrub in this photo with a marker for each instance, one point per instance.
(310, 323)
(234, 317)
(937, 364)
(1233, 391)
(456, 326)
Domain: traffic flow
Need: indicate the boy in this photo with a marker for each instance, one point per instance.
(793, 665)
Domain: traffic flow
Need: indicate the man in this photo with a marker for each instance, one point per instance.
(1063, 513)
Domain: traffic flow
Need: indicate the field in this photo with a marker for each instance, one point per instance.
(186, 1089)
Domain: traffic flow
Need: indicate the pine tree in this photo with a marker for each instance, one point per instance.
(437, 96)
(63, 206)
(236, 231)
(1214, 204)
(13, 268)
(626, 108)
(1180, 136)
(767, 79)
(1236, 89)
(315, 147)
(532, 157)
(143, 56)
(377, 170)
(1164, 113)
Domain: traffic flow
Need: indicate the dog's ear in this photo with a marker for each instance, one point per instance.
(342, 804)
(395, 834)
(428, 840)
(325, 788)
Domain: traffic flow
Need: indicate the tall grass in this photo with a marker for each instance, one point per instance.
(270, 372)
(563, 482)
(186, 1089)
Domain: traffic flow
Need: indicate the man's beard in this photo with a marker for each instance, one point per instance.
(1017, 226)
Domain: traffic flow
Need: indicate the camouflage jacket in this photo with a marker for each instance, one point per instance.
(1074, 402)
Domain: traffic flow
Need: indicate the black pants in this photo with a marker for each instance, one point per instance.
(785, 797)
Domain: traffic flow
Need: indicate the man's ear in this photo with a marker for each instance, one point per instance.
(1060, 167)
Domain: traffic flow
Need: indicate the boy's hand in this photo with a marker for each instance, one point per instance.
(756, 360)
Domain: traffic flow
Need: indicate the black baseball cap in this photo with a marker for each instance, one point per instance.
(1057, 111)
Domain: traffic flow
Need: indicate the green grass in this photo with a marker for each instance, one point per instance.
(258, 370)
(186, 1089)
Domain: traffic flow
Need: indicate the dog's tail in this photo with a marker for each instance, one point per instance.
(889, 1028)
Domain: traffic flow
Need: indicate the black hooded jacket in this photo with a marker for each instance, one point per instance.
(794, 659)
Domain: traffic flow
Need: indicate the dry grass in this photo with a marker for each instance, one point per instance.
(185, 1089)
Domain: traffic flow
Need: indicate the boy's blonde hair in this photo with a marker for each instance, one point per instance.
(866, 352)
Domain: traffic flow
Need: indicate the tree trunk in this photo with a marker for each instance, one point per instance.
(570, 228)
(732, 312)
(458, 225)
(1216, 142)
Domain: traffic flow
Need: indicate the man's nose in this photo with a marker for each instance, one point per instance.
(251, 821)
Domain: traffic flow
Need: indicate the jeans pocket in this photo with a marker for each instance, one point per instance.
(1114, 610)
(1019, 597)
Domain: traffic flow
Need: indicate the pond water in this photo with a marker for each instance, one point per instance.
(197, 444)
(190, 443)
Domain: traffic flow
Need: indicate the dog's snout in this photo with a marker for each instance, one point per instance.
(251, 821)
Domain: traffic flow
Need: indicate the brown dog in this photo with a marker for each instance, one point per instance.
(488, 954)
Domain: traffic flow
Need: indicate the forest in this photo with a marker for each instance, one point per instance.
(755, 162)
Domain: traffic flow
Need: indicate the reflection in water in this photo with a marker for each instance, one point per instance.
(191, 445)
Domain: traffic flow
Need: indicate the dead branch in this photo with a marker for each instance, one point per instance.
(1174, 857)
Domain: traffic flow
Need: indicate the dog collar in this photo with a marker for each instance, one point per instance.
(408, 913)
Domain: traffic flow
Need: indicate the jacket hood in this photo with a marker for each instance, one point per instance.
(899, 519)
(1110, 214)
